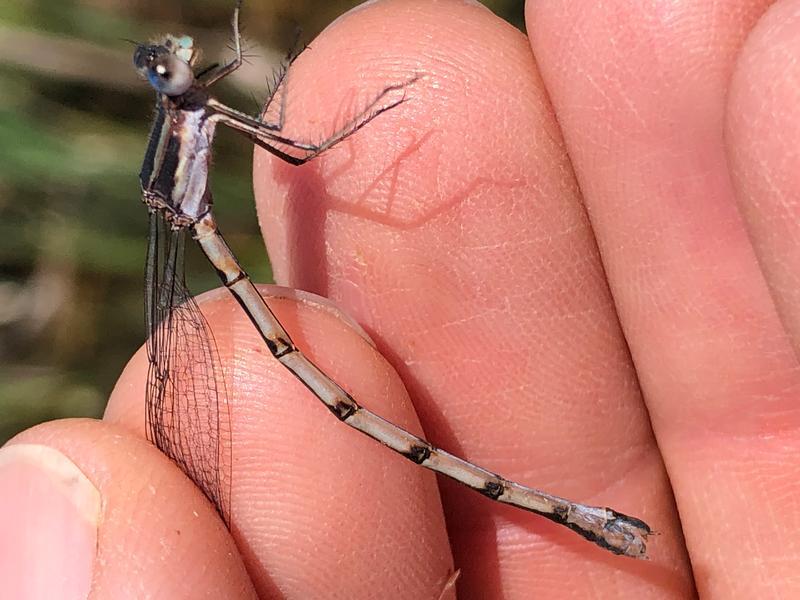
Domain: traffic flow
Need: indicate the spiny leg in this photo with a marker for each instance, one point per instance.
(360, 120)
(267, 138)
(280, 78)
(211, 78)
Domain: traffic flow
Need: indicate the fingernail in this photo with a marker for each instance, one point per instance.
(49, 513)
(327, 305)
(309, 298)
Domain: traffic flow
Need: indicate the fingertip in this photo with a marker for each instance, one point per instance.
(137, 526)
(49, 515)
(465, 73)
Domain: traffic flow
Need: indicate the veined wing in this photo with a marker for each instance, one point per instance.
(187, 411)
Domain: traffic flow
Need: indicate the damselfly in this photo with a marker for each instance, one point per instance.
(186, 408)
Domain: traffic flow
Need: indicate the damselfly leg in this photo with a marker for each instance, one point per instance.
(268, 137)
(211, 77)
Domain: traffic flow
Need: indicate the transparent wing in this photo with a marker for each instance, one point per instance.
(187, 411)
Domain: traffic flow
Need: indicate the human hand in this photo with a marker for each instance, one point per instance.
(453, 229)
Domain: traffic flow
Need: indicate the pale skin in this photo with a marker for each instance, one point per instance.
(642, 357)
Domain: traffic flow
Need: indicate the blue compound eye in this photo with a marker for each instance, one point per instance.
(170, 75)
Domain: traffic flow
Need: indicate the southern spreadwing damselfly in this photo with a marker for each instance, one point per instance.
(186, 407)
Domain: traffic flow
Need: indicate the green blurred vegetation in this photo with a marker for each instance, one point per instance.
(73, 127)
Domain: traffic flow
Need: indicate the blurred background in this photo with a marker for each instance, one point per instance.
(74, 119)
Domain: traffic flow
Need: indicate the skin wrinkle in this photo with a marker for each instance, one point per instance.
(276, 292)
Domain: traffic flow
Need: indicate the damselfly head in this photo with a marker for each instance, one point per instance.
(168, 64)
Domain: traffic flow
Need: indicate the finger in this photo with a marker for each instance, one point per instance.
(308, 493)
(451, 228)
(640, 93)
(88, 508)
(762, 127)
(762, 141)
